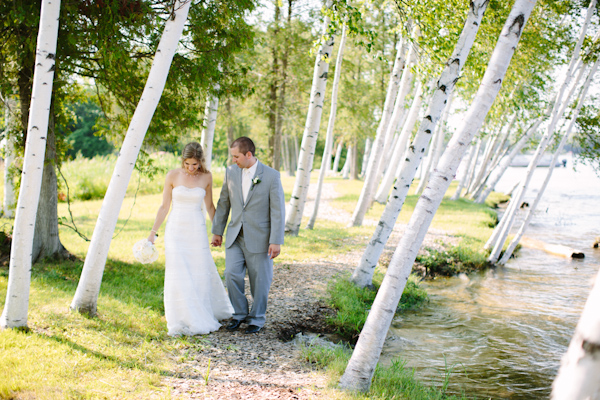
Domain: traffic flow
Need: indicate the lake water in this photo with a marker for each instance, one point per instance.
(502, 333)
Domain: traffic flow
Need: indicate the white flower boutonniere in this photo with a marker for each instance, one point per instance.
(255, 181)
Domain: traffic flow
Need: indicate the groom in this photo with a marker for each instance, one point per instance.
(253, 193)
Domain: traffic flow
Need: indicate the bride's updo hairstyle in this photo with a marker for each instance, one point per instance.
(194, 150)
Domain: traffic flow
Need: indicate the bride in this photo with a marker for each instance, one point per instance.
(195, 299)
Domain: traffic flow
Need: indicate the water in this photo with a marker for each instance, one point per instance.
(502, 333)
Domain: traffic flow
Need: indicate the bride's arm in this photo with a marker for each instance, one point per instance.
(163, 210)
(208, 199)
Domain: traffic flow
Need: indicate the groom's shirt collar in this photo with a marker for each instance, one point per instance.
(252, 170)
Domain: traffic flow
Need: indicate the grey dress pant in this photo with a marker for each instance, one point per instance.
(260, 273)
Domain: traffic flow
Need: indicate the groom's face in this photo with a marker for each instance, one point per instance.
(242, 160)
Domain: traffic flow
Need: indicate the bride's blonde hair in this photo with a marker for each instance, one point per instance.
(194, 150)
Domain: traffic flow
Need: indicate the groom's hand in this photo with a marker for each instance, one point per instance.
(217, 240)
(274, 250)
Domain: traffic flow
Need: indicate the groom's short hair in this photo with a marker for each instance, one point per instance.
(244, 145)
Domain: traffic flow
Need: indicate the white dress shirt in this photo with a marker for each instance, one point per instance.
(247, 175)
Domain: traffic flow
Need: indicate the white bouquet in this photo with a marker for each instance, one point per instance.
(145, 252)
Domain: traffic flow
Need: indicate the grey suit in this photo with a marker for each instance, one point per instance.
(254, 225)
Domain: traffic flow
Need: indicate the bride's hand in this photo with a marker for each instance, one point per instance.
(151, 237)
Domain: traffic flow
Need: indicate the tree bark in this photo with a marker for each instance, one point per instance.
(365, 156)
(311, 132)
(46, 242)
(466, 162)
(556, 113)
(400, 147)
(533, 207)
(497, 173)
(372, 175)
(9, 146)
(363, 274)
(208, 132)
(336, 160)
(577, 377)
(19, 278)
(330, 127)
(361, 367)
(88, 289)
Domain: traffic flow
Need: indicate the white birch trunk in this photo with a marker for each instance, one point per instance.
(14, 314)
(311, 132)
(373, 175)
(347, 164)
(330, 127)
(465, 176)
(473, 166)
(88, 289)
(577, 377)
(442, 137)
(395, 84)
(483, 165)
(338, 155)
(498, 152)
(497, 173)
(9, 148)
(362, 364)
(363, 274)
(208, 133)
(365, 156)
(533, 207)
(400, 148)
(555, 116)
(436, 142)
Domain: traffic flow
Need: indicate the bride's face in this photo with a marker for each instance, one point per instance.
(191, 165)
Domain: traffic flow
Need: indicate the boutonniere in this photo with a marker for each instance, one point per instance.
(255, 181)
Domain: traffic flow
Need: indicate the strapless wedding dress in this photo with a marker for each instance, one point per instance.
(195, 299)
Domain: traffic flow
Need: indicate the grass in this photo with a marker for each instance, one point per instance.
(389, 382)
(125, 352)
(353, 303)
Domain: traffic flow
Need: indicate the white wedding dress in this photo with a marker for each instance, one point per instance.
(195, 299)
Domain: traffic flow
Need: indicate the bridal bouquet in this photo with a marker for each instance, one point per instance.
(145, 252)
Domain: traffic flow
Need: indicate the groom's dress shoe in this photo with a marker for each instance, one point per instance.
(252, 329)
(234, 324)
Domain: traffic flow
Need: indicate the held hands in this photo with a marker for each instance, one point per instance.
(216, 241)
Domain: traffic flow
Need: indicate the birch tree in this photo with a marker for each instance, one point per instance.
(466, 163)
(330, 127)
(363, 274)
(311, 131)
(19, 277)
(533, 207)
(208, 132)
(88, 289)
(8, 149)
(497, 173)
(372, 174)
(399, 148)
(556, 113)
(577, 377)
(336, 160)
(362, 364)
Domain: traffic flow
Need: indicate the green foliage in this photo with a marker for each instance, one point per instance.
(353, 303)
(81, 132)
(88, 178)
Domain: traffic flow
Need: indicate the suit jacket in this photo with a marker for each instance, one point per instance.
(263, 214)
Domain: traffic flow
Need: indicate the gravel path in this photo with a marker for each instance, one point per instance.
(267, 365)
